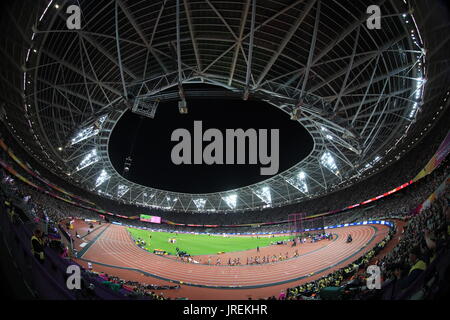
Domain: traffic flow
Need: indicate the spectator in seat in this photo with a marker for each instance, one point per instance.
(447, 218)
(392, 287)
(37, 245)
(12, 214)
(418, 266)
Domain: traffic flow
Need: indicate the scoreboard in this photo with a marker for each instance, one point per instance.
(152, 219)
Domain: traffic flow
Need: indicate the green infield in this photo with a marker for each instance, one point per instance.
(201, 244)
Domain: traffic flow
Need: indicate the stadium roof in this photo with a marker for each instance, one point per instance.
(361, 93)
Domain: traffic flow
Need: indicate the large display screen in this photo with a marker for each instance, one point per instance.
(152, 219)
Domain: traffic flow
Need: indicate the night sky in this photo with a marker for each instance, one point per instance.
(148, 142)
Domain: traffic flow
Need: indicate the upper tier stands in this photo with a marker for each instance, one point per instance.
(391, 177)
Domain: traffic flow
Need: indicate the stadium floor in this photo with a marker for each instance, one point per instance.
(111, 250)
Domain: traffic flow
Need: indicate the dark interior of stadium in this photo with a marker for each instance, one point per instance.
(225, 150)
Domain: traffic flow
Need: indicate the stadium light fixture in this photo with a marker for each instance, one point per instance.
(121, 190)
(102, 178)
(200, 203)
(170, 203)
(299, 182)
(264, 194)
(327, 160)
(231, 200)
(88, 160)
(88, 132)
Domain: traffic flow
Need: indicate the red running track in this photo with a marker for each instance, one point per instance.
(115, 248)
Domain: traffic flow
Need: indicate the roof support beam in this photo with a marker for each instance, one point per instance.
(110, 57)
(350, 66)
(366, 146)
(320, 55)
(119, 56)
(219, 57)
(379, 113)
(53, 104)
(314, 116)
(395, 94)
(133, 22)
(279, 13)
(84, 72)
(71, 92)
(180, 71)
(93, 70)
(311, 50)
(358, 62)
(166, 70)
(250, 51)
(377, 79)
(192, 33)
(374, 109)
(367, 90)
(80, 72)
(226, 24)
(285, 41)
(239, 42)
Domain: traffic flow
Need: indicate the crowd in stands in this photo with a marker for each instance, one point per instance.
(125, 288)
(388, 207)
(134, 288)
(429, 229)
(344, 276)
(398, 172)
(425, 236)
(42, 242)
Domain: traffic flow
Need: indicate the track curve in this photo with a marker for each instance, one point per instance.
(114, 248)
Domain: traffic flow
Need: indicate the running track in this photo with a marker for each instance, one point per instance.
(114, 248)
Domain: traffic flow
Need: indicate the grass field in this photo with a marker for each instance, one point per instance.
(200, 244)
